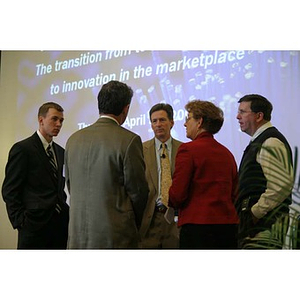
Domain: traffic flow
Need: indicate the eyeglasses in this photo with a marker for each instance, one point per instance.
(242, 112)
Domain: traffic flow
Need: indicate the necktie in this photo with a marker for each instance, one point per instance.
(52, 161)
(54, 169)
(166, 178)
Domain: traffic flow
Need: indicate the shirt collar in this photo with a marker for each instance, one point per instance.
(168, 144)
(43, 140)
(260, 130)
(108, 117)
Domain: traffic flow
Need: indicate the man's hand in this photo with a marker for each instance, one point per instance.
(254, 219)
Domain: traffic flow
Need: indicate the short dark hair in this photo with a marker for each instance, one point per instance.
(162, 106)
(259, 104)
(46, 106)
(113, 97)
(211, 114)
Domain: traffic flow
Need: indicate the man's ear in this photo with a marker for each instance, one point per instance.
(126, 109)
(123, 115)
(259, 116)
(40, 120)
(172, 123)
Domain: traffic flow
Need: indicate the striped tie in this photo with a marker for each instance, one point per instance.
(54, 169)
(52, 161)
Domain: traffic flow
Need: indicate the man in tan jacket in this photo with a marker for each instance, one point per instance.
(156, 232)
(105, 173)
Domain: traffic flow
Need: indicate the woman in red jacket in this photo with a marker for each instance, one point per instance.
(204, 185)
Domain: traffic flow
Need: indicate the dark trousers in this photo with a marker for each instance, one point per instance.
(208, 236)
(52, 235)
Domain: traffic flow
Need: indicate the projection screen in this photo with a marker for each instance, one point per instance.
(74, 78)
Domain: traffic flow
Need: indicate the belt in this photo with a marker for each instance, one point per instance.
(161, 208)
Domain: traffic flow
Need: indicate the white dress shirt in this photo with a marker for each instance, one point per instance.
(46, 144)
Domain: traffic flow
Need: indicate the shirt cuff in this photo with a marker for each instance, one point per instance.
(257, 212)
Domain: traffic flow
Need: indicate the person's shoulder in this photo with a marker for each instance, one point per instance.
(190, 145)
(26, 141)
(226, 150)
(273, 142)
(148, 142)
(126, 132)
(59, 147)
(176, 142)
(24, 146)
(80, 132)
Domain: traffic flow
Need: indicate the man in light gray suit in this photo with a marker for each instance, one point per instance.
(156, 232)
(105, 174)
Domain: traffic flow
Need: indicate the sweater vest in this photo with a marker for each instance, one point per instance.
(252, 181)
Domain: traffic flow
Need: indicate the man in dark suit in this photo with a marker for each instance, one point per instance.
(156, 230)
(33, 188)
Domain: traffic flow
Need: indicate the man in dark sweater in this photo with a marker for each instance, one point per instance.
(265, 178)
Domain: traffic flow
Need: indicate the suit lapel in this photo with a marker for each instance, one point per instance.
(175, 146)
(59, 157)
(150, 157)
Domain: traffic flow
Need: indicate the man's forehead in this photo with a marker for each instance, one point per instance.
(245, 104)
(53, 111)
(160, 114)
